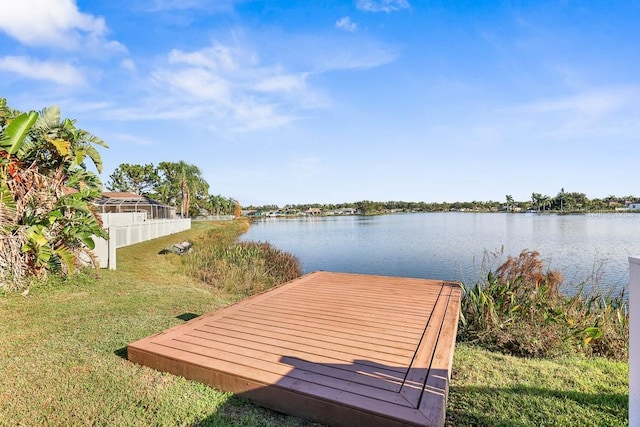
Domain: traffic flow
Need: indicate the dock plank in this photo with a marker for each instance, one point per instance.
(339, 348)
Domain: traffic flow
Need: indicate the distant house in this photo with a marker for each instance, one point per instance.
(634, 206)
(346, 211)
(124, 202)
(313, 211)
(252, 213)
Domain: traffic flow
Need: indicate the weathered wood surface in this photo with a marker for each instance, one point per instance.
(343, 349)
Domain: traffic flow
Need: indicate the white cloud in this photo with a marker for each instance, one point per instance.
(235, 89)
(282, 83)
(54, 23)
(232, 84)
(358, 56)
(128, 64)
(57, 72)
(345, 23)
(582, 120)
(382, 5)
(217, 58)
(136, 140)
(163, 5)
(250, 116)
(594, 113)
(305, 166)
(80, 105)
(591, 102)
(195, 83)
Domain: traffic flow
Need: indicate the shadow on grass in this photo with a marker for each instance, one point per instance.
(240, 412)
(187, 316)
(122, 352)
(476, 406)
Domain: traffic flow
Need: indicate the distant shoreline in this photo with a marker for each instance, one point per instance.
(333, 214)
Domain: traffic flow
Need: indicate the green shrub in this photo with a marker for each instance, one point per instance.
(519, 310)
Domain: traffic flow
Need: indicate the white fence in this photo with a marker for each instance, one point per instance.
(125, 235)
(125, 218)
(634, 341)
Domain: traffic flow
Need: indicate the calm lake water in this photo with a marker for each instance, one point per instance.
(452, 246)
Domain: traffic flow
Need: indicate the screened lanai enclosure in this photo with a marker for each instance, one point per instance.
(121, 202)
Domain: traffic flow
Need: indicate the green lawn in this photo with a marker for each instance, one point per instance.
(491, 389)
(62, 360)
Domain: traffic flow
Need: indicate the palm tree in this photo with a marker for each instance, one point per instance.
(509, 198)
(536, 199)
(212, 200)
(185, 181)
(232, 206)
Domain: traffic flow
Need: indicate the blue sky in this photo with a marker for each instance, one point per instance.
(334, 101)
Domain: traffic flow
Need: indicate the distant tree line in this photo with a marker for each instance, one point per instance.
(561, 202)
(177, 184)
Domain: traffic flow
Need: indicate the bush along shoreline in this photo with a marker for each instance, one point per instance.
(239, 268)
(518, 309)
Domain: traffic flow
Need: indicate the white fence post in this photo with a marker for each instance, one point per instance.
(111, 257)
(101, 250)
(634, 341)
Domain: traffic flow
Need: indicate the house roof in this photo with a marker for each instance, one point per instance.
(127, 198)
(121, 195)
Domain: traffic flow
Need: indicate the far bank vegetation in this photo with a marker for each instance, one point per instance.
(562, 202)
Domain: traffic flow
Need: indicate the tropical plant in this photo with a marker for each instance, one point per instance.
(46, 193)
(536, 200)
(183, 183)
(510, 202)
(546, 201)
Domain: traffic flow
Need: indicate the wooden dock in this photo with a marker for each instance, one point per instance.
(341, 349)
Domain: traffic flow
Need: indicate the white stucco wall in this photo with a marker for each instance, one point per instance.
(634, 341)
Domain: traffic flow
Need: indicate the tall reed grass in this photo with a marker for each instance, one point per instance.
(240, 268)
(518, 309)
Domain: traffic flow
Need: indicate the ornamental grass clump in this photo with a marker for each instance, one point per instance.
(243, 268)
(519, 309)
